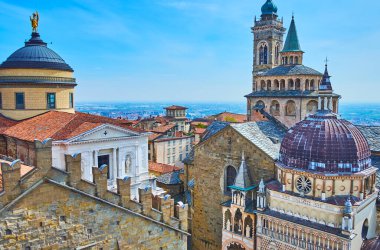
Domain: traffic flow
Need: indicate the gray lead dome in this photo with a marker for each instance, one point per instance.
(35, 55)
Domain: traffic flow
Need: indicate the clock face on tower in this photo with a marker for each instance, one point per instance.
(303, 185)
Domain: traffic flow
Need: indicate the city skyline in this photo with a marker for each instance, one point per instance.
(192, 50)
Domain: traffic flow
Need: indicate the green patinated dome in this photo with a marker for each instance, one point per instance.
(269, 8)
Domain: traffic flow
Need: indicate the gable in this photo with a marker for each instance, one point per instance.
(103, 132)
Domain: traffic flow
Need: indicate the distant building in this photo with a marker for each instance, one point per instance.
(228, 117)
(159, 169)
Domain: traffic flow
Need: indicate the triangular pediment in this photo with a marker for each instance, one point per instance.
(103, 132)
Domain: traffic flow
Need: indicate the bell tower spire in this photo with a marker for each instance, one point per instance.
(268, 34)
(292, 53)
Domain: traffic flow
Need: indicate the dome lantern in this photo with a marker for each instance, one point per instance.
(269, 8)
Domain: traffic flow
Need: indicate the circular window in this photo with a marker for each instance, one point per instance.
(303, 185)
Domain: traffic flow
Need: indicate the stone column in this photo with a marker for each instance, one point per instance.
(319, 103)
(331, 104)
(114, 165)
(325, 104)
(96, 153)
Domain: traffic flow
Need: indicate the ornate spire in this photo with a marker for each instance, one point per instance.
(292, 43)
(243, 180)
(325, 83)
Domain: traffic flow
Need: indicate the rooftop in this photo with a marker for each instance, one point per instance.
(290, 70)
(35, 55)
(162, 168)
(171, 178)
(59, 126)
(175, 107)
(372, 134)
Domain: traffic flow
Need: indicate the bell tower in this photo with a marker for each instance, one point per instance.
(268, 34)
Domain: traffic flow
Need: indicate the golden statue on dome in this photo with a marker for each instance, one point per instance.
(34, 21)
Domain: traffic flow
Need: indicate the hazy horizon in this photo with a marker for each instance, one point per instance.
(193, 51)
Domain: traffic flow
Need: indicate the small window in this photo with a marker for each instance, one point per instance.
(51, 100)
(20, 101)
(71, 100)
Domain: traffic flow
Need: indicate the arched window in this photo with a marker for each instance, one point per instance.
(290, 84)
(248, 224)
(296, 60)
(286, 60)
(365, 229)
(298, 84)
(269, 85)
(263, 85)
(277, 53)
(291, 60)
(260, 104)
(230, 177)
(312, 107)
(227, 220)
(275, 108)
(276, 85)
(263, 53)
(290, 109)
(282, 84)
(307, 84)
(238, 222)
(312, 87)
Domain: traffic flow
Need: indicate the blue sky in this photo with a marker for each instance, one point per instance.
(193, 50)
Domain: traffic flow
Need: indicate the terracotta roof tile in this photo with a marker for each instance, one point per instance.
(163, 129)
(229, 117)
(59, 126)
(199, 130)
(162, 168)
(175, 107)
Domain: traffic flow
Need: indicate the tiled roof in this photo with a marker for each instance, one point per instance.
(267, 135)
(154, 136)
(171, 178)
(376, 162)
(162, 168)
(285, 93)
(229, 117)
(175, 107)
(5, 123)
(326, 143)
(163, 129)
(59, 126)
(372, 134)
(290, 70)
(214, 128)
(199, 130)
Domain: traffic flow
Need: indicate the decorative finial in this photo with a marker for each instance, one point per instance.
(326, 61)
(34, 21)
(292, 15)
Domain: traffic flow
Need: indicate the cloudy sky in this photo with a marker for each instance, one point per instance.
(193, 50)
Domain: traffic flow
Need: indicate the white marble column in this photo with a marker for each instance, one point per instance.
(319, 103)
(325, 104)
(96, 153)
(114, 164)
(331, 104)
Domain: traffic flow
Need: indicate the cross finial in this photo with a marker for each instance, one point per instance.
(326, 61)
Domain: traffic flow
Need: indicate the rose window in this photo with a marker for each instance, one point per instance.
(303, 185)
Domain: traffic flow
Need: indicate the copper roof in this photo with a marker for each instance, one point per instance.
(325, 143)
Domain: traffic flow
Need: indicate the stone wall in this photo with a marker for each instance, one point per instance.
(53, 217)
(210, 161)
(50, 209)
